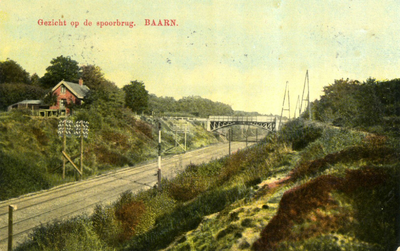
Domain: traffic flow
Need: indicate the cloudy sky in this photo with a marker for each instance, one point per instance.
(237, 52)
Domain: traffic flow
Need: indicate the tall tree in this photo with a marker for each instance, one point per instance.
(12, 72)
(93, 78)
(61, 68)
(136, 96)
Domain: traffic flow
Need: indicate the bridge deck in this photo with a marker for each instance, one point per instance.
(218, 122)
(242, 118)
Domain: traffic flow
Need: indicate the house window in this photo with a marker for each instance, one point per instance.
(62, 89)
(63, 103)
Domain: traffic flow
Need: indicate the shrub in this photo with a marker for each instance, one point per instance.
(106, 225)
(129, 214)
(73, 234)
(300, 134)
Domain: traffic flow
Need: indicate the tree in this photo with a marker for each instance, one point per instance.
(93, 78)
(339, 102)
(13, 93)
(35, 80)
(12, 72)
(61, 68)
(136, 96)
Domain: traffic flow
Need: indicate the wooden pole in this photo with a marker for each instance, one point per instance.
(81, 148)
(229, 136)
(159, 155)
(256, 134)
(64, 147)
(10, 226)
(247, 134)
(72, 163)
(185, 136)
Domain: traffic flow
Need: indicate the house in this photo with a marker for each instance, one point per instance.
(69, 93)
(26, 104)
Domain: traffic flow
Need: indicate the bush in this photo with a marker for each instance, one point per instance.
(70, 235)
(20, 175)
(130, 214)
(106, 225)
(300, 134)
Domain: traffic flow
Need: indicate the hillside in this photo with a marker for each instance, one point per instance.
(30, 148)
(337, 190)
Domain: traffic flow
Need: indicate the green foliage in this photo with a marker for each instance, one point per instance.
(20, 175)
(93, 77)
(106, 225)
(188, 106)
(329, 242)
(339, 101)
(11, 72)
(61, 68)
(136, 96)
(186, 217)
(375, 205)
(300, 134)
(334, 140)
(14, 93)
(355, 104)
(74, 234)
(194, 181)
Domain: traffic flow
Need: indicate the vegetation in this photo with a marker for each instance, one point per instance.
(188, 106)
(311, 186)
(372, 105)
(261, 199)
(117, 136)
(12, 72)
(136, 96)
(61, 68)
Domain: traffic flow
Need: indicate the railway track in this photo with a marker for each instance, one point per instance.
(81, 197)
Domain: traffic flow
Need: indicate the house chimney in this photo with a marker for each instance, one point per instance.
(81, 82)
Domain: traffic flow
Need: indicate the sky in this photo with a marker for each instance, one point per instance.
(241, 53)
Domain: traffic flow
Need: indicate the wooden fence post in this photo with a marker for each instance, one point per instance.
(11, 209)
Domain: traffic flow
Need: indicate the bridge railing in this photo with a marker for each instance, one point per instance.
(242, 118)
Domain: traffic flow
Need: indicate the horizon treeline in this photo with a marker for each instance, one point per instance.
(16, 85)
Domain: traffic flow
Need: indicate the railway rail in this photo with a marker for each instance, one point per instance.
(80, 197)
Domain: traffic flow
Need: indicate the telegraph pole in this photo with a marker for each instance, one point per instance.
(185, 135)
(64, 147)
(229, 136)
(159, 155)
(81, 162)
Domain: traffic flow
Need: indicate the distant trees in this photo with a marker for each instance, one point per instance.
(136, 96)
(12, 72)
(61, 68)
(192, 105)
(16, 84)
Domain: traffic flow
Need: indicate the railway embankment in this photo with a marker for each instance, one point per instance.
(308, 187)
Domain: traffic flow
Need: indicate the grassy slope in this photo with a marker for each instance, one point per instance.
(30, 158)
(340, 192)
(337, 190)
